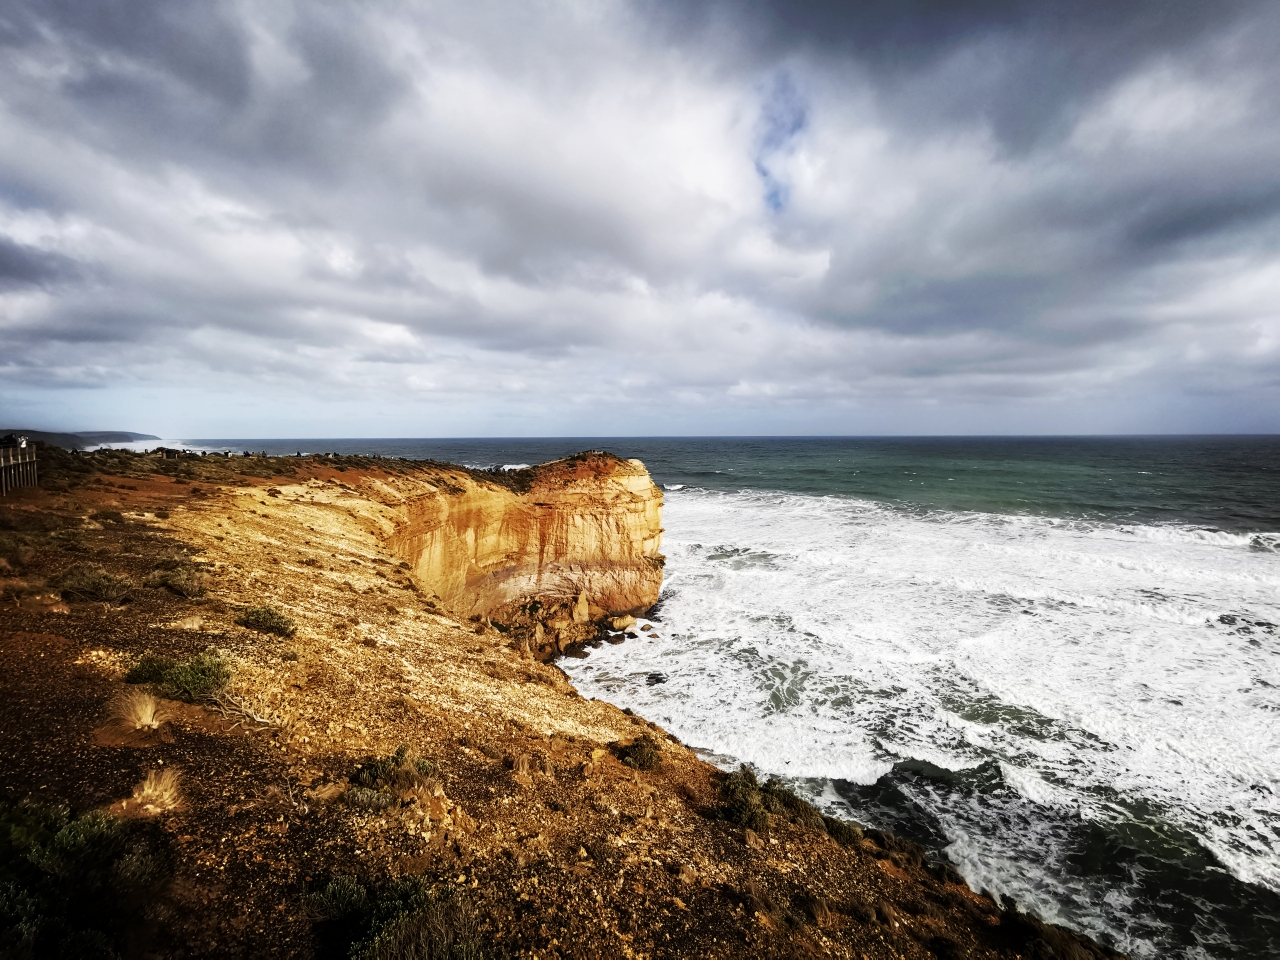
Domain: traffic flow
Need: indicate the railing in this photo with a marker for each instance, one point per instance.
(17, 468)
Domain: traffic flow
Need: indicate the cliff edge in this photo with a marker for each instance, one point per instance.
(233, 725)
(586, 526)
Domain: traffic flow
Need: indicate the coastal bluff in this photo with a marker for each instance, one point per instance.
(228, 670)
(587, 526)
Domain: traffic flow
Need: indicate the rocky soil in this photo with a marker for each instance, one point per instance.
(377, 744)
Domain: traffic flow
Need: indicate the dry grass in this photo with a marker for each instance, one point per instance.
(159, 793)
(140, 710)
(92, 582)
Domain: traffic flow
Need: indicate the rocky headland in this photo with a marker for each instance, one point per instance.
(308, 706)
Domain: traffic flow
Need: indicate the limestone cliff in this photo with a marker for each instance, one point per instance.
(589, 524)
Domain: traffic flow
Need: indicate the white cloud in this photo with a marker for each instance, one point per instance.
(552, 216)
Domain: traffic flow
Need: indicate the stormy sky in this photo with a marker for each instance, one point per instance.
(567, 217)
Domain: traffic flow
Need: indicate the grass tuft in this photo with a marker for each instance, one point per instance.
(140, 710)
(91, 582)
(160, 792)
(267, 619)
(341, 897)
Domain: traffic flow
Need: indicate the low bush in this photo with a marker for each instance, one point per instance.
(779, 799)
(194, 680)
(643, 754)
(744, 801)
(197, 679)
(399, 770)
(183, 578)
(91, 582)
(16, 550)
(842, 832)
(267, 619)
(406, 917)
(369, 799)
(150, 668)
(740, 800)
(75, 886)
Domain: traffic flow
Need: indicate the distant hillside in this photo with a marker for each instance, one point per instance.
(81, 440)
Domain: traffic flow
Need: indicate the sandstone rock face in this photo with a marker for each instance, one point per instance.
(587, 529)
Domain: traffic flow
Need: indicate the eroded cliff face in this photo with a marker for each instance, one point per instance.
(588, 525)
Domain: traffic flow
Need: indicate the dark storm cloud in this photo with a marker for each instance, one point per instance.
(1022, 63)
(711, 207)
(24, 266)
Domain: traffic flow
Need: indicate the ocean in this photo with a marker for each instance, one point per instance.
(1054, 661)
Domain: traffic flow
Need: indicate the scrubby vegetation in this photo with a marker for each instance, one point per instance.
(16, 550)
(266, 619)
(194, 680)
(643, 754)
(385, 781)
(406, 917)
(180, 576)
(91, 582)
(74, 886)
(150, 668)
(740, 801)
(748, 803)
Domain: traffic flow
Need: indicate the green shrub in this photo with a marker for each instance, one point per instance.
(778, 798)
(842, 832)
(341, 897)
(745, 802)
(194, 680)
(432, 927)
(643, 754)
(16, 549)
(406, 918)
(150, 668)
(91, 582)
(399, 771)
(369, 799)
(197, 679)
(740, 801)
(74, 886)
(266, 619)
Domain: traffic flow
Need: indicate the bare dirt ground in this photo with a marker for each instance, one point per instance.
(521, 814)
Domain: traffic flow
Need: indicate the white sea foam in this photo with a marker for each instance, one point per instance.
(1097, 665)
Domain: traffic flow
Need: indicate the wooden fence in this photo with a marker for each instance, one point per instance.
(17, 468)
